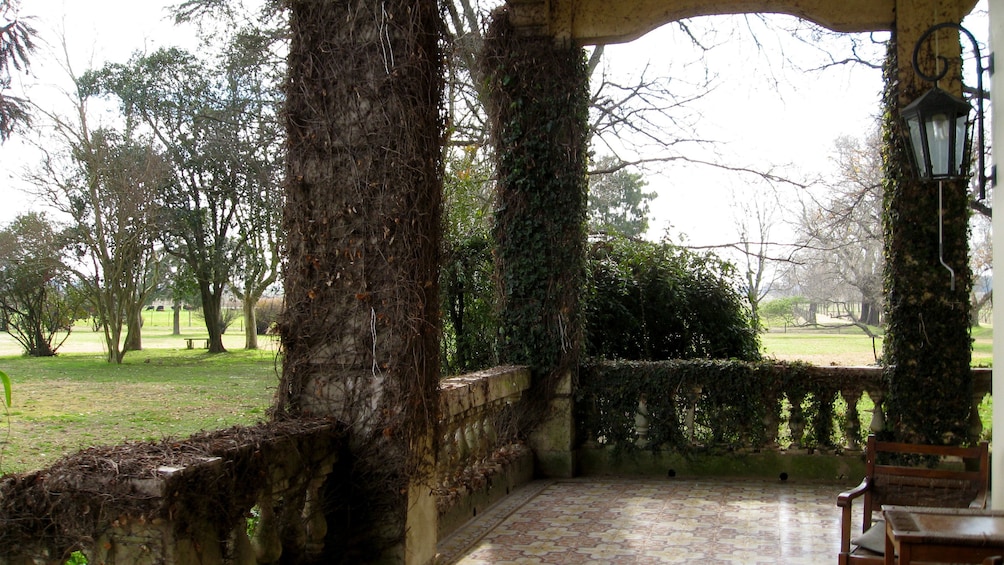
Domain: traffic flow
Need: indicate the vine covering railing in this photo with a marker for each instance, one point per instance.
(177, 501)
(188, 500)
(694, 405)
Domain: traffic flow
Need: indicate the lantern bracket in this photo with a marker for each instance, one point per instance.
(983, 179)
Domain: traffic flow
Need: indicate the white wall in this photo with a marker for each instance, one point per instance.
(997, 101)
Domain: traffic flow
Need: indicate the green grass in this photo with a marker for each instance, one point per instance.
(850, 346)
(75, 400)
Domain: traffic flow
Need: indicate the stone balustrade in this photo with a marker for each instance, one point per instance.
(791, 428)
(177, 501)
(190, 501)
(480, 458)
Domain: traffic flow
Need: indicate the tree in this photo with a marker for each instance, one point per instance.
(16, 45)
(104, 181)
(212, 130)
(981, 263)
(38, 302)
(616, 200)
(841, 235)
(466, 278)
(248, 62)
(251, 45)
(755, 220)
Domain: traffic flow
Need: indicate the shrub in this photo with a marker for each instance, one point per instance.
(656, 301)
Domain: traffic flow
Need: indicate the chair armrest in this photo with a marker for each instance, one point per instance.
(844, 499)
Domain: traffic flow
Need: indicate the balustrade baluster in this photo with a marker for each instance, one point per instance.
(479, 449)
(239, 548)
(265, 541)
(975, 423)
(641, 422)
(491, 433)
(877, 424)
(852, 423)
(447, 451)
(313, 514)
(692, 397)
(796, 420)
(463, 446)
(770, 423)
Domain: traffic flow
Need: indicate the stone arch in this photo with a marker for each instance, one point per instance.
(571, 24)
(588, 22)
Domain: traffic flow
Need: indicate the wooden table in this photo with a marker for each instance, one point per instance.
(955, 535)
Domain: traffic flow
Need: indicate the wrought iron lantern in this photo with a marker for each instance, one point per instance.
(938, 127)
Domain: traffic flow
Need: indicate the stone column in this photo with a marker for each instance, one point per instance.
(538, 112)
(930, 385)
(360, 327)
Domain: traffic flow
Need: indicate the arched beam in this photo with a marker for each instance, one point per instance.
(593, 22)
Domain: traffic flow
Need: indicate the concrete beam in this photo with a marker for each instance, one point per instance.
(593, 22)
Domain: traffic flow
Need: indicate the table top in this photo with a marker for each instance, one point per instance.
(959, 526)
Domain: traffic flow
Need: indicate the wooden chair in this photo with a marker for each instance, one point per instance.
(887, 481)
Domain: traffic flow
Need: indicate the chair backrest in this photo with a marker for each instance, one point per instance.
(908, 474)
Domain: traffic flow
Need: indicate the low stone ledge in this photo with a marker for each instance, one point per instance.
(101, 497)
(462, 393)
(795, 465)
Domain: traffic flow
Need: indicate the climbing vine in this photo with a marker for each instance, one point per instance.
(360, 329)
(927, 344)
(538, 111)
(738, 403)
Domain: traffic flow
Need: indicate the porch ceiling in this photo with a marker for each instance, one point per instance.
(590, 22)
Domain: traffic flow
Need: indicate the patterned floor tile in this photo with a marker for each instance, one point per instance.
(653, 521)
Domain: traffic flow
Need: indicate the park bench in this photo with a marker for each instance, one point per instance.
(896, 475)
(191, 341)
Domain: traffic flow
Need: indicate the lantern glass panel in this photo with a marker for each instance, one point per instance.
(939, 142)
(917, 144)
(961, 143)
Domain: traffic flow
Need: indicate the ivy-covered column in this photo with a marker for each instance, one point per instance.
(927, 345)
(360, 326)
(538, 110)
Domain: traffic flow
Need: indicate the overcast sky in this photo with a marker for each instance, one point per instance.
(765, 113)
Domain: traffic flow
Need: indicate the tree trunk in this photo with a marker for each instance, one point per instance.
(870, 313)
(977, 307)
(212, 313)
(41, 347)
(134, 329)
(176, 319)
(250, 324)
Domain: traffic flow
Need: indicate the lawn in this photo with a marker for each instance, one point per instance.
(849, 346)
(77, 399)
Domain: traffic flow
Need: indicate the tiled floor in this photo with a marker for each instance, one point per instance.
(643, 521)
